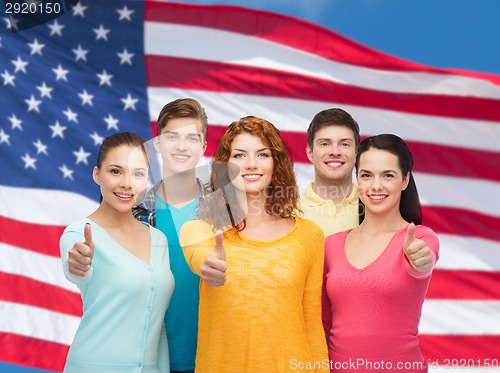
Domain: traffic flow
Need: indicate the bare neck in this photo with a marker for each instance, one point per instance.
(255, 210)
(180, 189)
(108, 217)
(382, 223)
(336, 191)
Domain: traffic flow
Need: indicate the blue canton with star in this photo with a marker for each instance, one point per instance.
(64, 87)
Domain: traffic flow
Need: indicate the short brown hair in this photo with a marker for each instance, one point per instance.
(332, 117)
(183, 108)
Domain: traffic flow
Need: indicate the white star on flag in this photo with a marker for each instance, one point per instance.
(86, 98)
(36, 48)
(82, 155)
(40, 147)
(61, 73)
(101, 32)
(67, 173)
(20, 65)
(8, 79)
(125, 57)
(129, 102)
(56, 28)
(81, 54)
(57, 130)
(125, 13)
(33, 104)
(4, 138)
(71, 115)
(79, 10)
(105, 78)
(16, 123)
(28, 161)
(45, 91)
(97, 138)
(112, 123)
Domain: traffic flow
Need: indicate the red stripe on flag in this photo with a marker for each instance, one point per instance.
(23, 290)
(444, 348)
(43, 239)
(474, 285)
(225, 77)
(32, 352)
(458, 222)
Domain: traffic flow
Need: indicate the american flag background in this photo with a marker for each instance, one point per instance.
(110, 66)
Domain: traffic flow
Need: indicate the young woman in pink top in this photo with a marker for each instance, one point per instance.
(377, 274)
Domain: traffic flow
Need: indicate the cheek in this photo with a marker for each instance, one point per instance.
(196, 148)
(140, 184)
(270, 166)
(362, 188)
(362, 195)
(233, 169)
(319, 152)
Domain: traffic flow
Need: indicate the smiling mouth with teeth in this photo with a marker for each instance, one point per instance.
(251, 177)
(124, 196)
(180, 157)
(377, 197)
(334, 163)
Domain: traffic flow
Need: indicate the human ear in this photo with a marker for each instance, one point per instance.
(406, 180)
(95, 175)
(156, 143)
(309, 153)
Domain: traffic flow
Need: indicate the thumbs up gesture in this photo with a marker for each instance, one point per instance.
(81, 254)
(417, 252)
(213, 270)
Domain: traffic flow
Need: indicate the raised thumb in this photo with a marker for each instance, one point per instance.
(219, 245)
(87, 232)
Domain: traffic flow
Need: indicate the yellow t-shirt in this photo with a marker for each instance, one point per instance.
(267, 316)
(330, 218)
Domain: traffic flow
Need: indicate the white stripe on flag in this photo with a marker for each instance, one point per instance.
(47, 207)
(468, 253)
(445, 317)
(37, 322)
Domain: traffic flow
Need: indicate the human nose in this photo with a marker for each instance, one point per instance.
(251, 162)
(334, 149)
(181, 143)
(376, 184)
(126, 181)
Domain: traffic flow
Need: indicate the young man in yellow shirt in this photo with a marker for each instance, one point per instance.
(331, 200)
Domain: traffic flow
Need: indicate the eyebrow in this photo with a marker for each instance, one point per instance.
(177, 133)
(244, 151)
(118, 166)
(363, 170)
(328, 139)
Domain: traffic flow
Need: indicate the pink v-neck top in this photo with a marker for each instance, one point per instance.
(372, 313)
